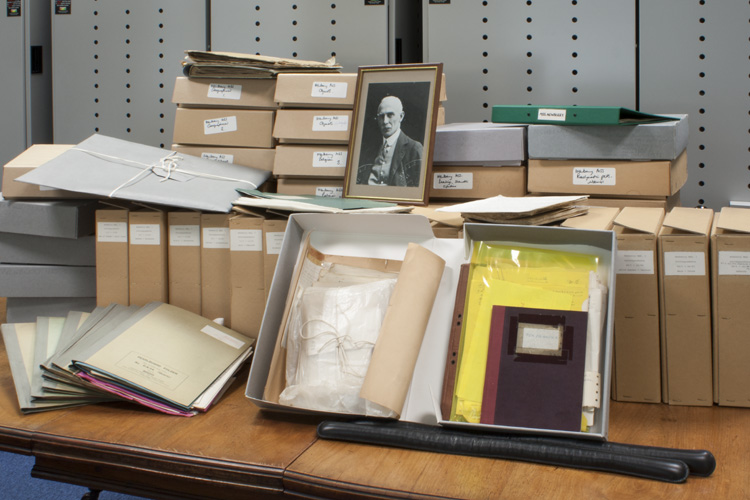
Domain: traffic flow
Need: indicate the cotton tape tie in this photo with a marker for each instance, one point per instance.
(341, 343)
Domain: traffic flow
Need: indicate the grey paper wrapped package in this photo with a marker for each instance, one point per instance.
(119, 169)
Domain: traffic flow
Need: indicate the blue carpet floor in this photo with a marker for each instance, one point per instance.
(16, 483)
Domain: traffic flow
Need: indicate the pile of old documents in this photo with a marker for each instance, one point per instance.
(522, 210)
(209, 64)
(159, 356)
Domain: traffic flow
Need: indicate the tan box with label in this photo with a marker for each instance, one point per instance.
(312, 126)
(215, 267)
(248, 128)
(112, 282)
(184, 257)
(248, 299)
(147, 256)
(224, 92)
(471, 181)
(315, 160)
(316, 90)
(608, 177)
(326, 187)
(685, 307)
(273, 237)
(730, 272)
(636, 354)
(260, 158)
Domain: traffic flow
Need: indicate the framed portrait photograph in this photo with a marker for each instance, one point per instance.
(393, 132)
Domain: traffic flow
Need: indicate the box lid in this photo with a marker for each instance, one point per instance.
(596, 218)
(641, 219)
(690, 220)
(734, 219)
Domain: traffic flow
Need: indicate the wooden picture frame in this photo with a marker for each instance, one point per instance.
(397, 105)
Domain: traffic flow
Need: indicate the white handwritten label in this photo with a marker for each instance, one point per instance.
(329, 89)
(224, 91)
(218, 157)
(145, 234)
(557, 115)
(220, 125)
(583, 176)
(222, 336)
(185, 235)
(112, 232)
(540, 338)
(329, 191)
(684, 263)
(634, 262)
(246, 240)
(330, 123)
(734, 263)
(215, 237)
(273, 242)
(329, 159)
(453, 180)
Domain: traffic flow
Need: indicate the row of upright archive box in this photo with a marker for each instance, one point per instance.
(679, 317)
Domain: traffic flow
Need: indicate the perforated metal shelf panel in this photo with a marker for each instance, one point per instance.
(13, 85)
(694, 59)
(537, 51)
(114, 67)
(355, 33)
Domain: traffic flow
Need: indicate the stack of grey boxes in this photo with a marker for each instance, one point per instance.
(47, 257)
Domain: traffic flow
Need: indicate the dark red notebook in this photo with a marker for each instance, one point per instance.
(536, 375)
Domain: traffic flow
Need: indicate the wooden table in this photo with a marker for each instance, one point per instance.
(237, 451)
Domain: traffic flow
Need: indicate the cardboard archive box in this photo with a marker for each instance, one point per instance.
(260, 158)
(650, 141)
(215, 267)
(273, 237)
(387, 236)
(316, 90)
(23, 280)
(147, 256)
(455, 182)
(601, 218)
(326, 187)
(31, 249)
(730, 277)
(248, 297)
(312, 126)
(34, 156)
(250, 93)
(53, 218)
(248, 128)
(608, 177)
(637, 353)
(486, 144)
(665, 203)
(112, 281)
(685, 307)
(315, 160)
(184, 259)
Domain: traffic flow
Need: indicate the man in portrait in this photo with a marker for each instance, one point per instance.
(394, 159)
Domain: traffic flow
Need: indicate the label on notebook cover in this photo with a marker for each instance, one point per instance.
(684, 263)
(220, 125)
(145, 234)
(557, 115)
(246, 240)
(222, 337)
(734, 263)
(112, 232)
(218, 157)
(185, 235)
(224, 91)
(329, 191)
(329, 159)
(330, 123)
(336, 90)
(453, 180)
(583, 176)
(634, 262)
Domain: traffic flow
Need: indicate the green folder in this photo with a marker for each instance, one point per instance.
(573, 115)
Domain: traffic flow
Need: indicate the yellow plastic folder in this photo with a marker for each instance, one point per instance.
(516, 277)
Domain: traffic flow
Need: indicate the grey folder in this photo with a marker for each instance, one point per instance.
(119, 169)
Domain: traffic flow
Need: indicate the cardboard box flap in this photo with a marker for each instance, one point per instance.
(734, 219)
(38, 154)
(596, 218)
(641, 219)
(690, 220)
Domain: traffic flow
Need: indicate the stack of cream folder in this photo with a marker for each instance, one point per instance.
(157, 355)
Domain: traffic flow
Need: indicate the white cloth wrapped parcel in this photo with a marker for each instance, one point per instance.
(124, 170)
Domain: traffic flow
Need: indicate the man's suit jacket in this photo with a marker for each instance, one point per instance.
(405, 165)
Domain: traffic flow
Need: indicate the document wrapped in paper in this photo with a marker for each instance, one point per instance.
(119, 169)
